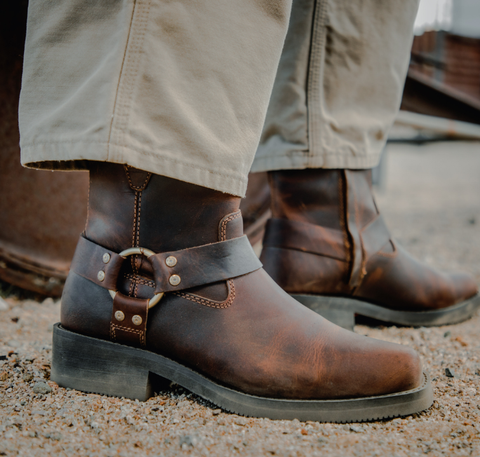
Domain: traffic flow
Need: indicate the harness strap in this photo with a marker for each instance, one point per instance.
(172, 271)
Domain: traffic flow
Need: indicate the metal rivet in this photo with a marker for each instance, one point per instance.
(174, 280)
(171, 261)
(106, 257)
(137, 320)
(119, 316)
(101, 275)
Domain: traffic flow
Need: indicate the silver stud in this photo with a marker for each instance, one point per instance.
(137, 320)
(106, 257)
(171, 261)
(119, 316)
(174, 280)
(101, 275)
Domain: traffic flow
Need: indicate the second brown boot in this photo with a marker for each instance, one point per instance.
(328, 246)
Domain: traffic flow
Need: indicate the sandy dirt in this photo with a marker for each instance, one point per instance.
(431, 203)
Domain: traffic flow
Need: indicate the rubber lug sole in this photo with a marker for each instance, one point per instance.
(342, 311)
(92, 365)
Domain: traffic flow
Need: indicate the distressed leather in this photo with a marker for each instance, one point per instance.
(327, 237)
(194, 266)
(131, 327)
(245, 332)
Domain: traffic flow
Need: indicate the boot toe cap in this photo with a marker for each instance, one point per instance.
(464, 286)
(408, 370)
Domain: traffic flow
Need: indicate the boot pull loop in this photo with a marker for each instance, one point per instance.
(147, 253)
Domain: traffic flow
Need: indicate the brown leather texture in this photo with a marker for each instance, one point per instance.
(128, 323)
(246, 332)
(327, 237)
(197, 266)
(256, 206)
(90, 262)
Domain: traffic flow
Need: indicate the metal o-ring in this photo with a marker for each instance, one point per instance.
(139, 251)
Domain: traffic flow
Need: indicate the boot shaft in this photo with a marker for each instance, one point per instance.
(323, 197)
(313, 244)
(130, 207)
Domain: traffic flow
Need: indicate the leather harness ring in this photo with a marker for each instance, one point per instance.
(147, 253)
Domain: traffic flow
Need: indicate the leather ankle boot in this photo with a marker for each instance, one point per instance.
(164, 286)
(328, 246)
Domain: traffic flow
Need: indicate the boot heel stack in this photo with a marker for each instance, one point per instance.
(100, 367)
(334, 309)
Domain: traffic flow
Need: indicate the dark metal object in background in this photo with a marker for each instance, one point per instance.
(41, 213)
(444, 77)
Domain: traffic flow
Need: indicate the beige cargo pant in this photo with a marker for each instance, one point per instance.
(199, 90)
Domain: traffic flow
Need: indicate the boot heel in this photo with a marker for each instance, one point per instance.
(98, 366)
(334, 309)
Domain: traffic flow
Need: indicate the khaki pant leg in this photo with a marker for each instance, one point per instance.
(179, 88)
(339, 84)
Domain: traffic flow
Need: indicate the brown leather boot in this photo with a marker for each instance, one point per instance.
(328, 246)
(192, 305)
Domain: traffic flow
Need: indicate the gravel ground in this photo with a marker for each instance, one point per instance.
(431, 201)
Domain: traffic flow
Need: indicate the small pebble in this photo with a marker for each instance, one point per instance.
(27, 377)
(449, 373)
(188, 441)
(41, 388)
(3, 305)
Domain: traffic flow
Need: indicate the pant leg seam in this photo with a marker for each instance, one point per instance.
(314, 88)
(130, 71)
(117, 92)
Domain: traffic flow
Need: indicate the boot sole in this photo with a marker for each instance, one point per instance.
(342, 311)
(93, 365)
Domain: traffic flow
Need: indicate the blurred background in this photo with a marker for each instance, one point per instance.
(427, 182)
(444, 75)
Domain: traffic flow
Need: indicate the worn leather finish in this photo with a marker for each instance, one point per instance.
(246, 332)
(305, 237)
(328, 237)
(195, 266)
(130, 327)
(256, 206)
(89, 261)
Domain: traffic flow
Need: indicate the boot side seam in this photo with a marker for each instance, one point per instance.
(144, 282)
(222, 233)
(211, 303)
(113, 335)
(342, 217)
(192, 297)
